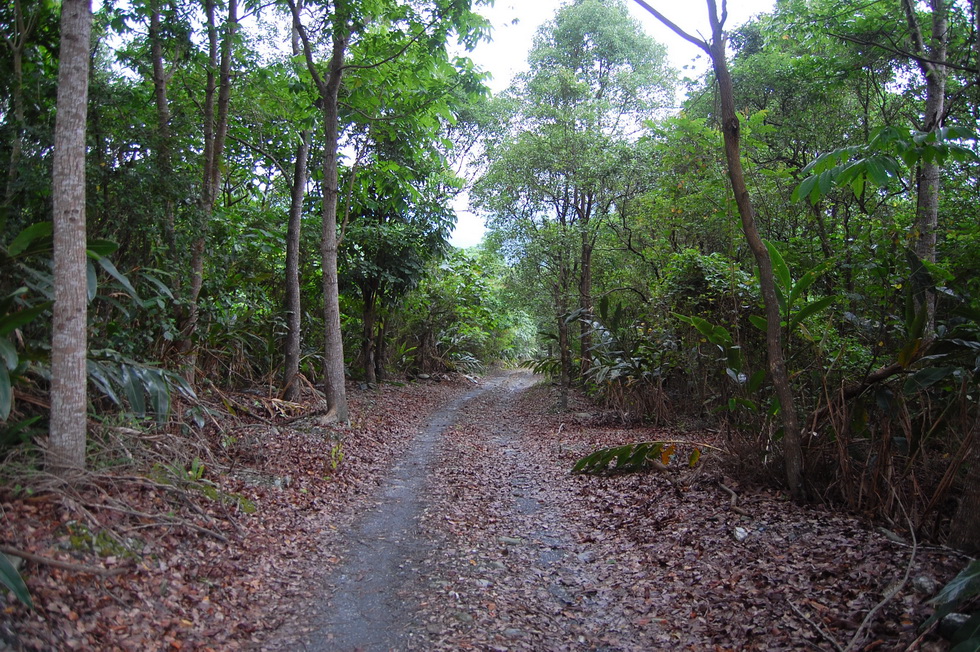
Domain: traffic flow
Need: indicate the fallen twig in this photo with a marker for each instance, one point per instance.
(735, 508)
(891, 593)
(57, 563)
(827, 635)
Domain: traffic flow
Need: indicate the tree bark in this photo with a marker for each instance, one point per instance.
(368, 343)
(164, 181)
(215, 131)
(66, 449)
(22, 30)
(792, 447)
(731, 130)
(294, 335)
(336, 390)
(931, 65)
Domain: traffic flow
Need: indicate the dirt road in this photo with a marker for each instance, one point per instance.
(480, 539)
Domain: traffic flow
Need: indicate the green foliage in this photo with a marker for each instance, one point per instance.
(963, 587)
(631, 458)
(880, 161)
(10, 578)
(119, 378)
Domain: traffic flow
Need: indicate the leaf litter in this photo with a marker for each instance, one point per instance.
(518, 554)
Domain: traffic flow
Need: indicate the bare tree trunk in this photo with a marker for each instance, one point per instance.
(585, 298)
(792, 446)
(731, 129)
(215, 131)
(294, 334)
(164, 181)
(368, 344)
(334, 354)
(329, 90)
(66, 450)
(22, 30)
(931, 63)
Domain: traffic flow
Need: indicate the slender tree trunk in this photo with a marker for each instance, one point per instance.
(334, 359)
(792, 446)
(585, 298)
(164, 181)
(66, 450)
(294, 333)
(329, 90)
(928, 175)
(731, 129)
(369, 317)
(16, 43)
(381, 349)
(215, 131)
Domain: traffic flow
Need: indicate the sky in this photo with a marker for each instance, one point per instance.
(516, 21)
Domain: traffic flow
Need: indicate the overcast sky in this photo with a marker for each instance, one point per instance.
(515, 23)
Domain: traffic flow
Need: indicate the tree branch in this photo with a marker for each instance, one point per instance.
(675, 28)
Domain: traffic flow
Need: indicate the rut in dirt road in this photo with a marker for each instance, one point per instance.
(374, 595)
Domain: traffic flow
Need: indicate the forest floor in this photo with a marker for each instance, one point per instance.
(443, 517)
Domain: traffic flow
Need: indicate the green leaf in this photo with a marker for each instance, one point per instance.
(925, 378)
(965, 585)
(91, 281)
(24, 239)
(121, 278)
(809, 310)
(10, 578)
(6, 393)
(968, 633)
(134, 390)
(962, 587)
(755, 381)
(14, 320)
(808, 279)
(759, 322)
(779, 267)
(8, 354)
(100, 248)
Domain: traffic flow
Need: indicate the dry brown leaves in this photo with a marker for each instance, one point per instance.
(187, 567)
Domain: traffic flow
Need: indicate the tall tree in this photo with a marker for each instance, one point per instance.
(66, 449)
(217, 96)
(595, 76)
(731, 128)
(389, 30)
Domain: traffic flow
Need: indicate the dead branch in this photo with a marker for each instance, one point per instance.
(893, 591)
(827, 635)
(63, 565)
(734, 503)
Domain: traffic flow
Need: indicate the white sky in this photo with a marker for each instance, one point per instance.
(516, 21)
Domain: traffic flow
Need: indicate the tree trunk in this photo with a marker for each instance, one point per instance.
(792, 448)
(369, 318)
(934, 72)
(215, 131)
(293, 308)
(164, 181)
(16, 43)
(336, 391)
(66, 449)
(585, 298)
(792, 445)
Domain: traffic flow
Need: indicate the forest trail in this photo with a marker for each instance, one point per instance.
(480, 538)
